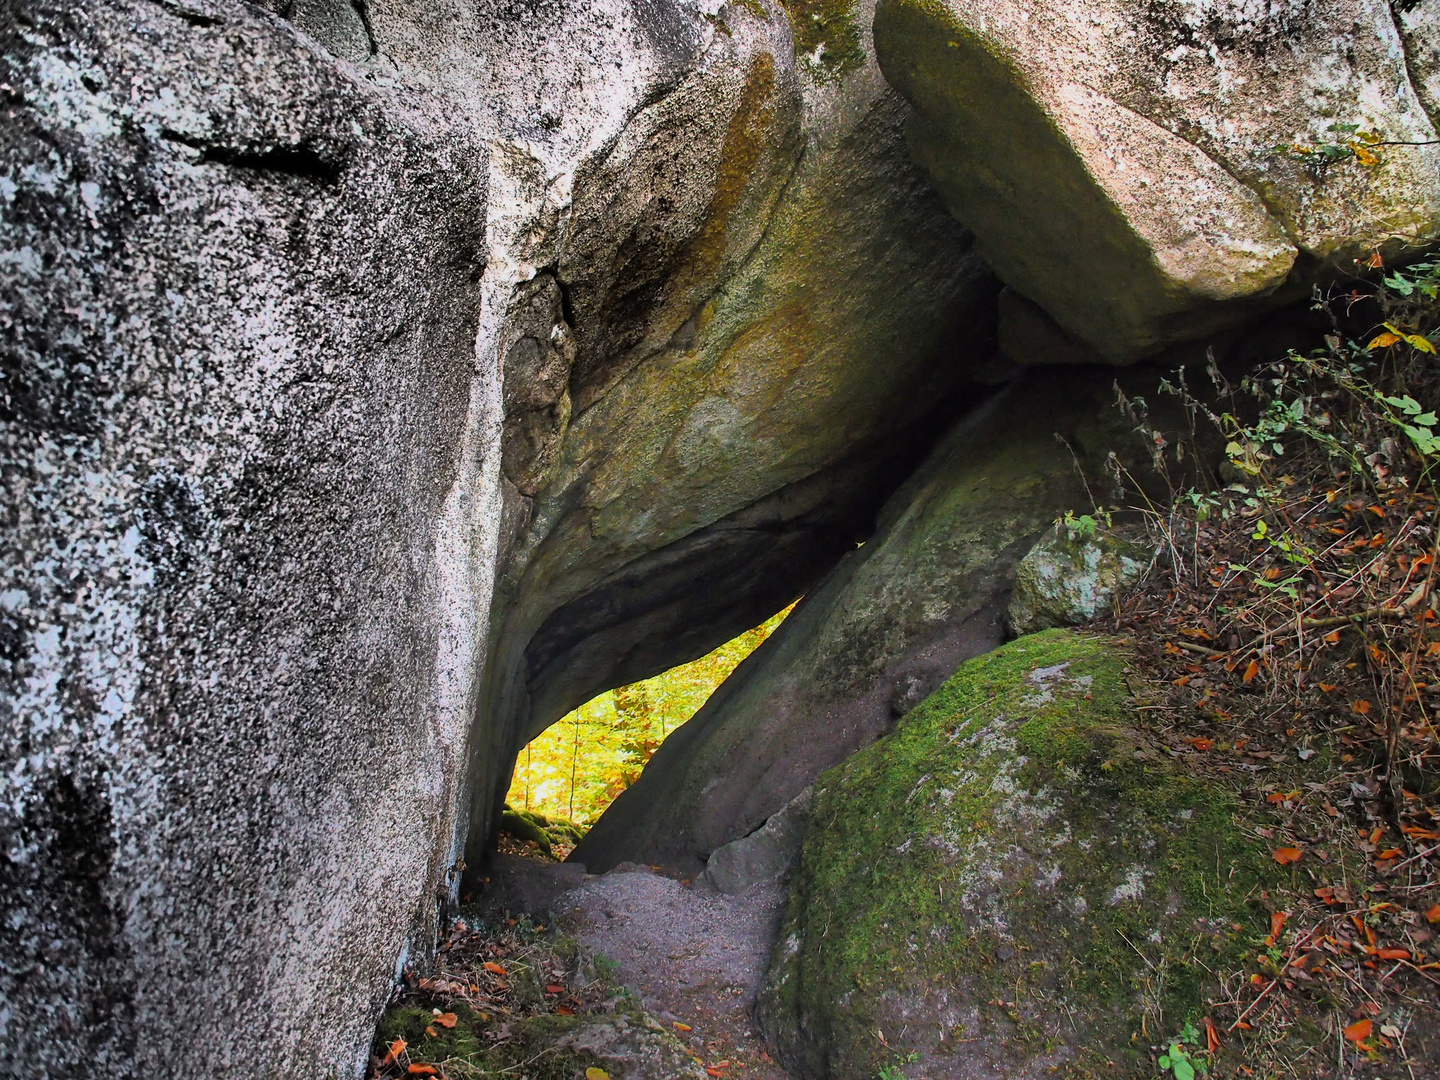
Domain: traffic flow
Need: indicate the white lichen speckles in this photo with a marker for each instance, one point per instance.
(1132, 887)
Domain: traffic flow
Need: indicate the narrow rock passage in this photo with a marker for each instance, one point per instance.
(695, 957)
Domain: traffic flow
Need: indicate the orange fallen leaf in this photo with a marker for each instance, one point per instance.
(1333, 637)
(1362, 706)
(1393, 954)
(1433, 914)
(1201, 743)
(714, 1070)
(554, 988)
(446, 1020)
(1286, 855)
(396, 1049)
(564, 1010)
(493, 967)
(1277, 924)
(1212, 1037)
(423, 1070)
(430, 1030)
(1329, 687)
(1251, 670)
(1390, 853)
(1184, 680)
(682, 1027)
(1359, 1031)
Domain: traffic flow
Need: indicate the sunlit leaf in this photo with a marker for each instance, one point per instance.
(1286, 855)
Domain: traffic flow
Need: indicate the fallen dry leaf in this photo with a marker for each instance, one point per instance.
(682, 1027)
(554, 988)
(1359, 1031)
(1433, 914)
(1286, 855)
(1212, 1037)
(592, 1073)
(446, 1020)
(491, 966)
(396, 1049)
(423, 1070)
(1251, 670)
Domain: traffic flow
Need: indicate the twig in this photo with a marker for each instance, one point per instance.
(1201, 650)
(1383, 611)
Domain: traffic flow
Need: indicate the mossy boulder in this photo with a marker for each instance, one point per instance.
(1013, 884)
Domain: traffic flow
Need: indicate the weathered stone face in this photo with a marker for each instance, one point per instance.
(1117, 161)
(619, 304)
(1071, 574)
(995, 885)
(774, 319)
(239, 308)
(888, 625)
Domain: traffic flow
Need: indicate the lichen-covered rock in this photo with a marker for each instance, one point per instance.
(315, 327)
(1118, 161)
(1072, 573)
(1008, 884)
(238, 315)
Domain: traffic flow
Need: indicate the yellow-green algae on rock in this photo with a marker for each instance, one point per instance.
(1015, 883)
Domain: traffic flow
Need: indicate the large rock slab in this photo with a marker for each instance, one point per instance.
(991, 891)
(1118, 161)
(774, 319)
(889, 624)
(320, 329)
(238, 611)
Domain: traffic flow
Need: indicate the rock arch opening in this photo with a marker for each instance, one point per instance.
(568, 776)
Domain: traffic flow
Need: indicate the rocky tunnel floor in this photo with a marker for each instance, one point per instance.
(694, 956)
(556, 974)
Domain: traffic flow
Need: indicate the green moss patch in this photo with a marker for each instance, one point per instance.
(827, 36)
(1015, 876)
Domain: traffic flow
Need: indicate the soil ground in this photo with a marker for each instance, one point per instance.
(695, 957)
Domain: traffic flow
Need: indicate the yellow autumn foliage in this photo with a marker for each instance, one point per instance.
(576, 767)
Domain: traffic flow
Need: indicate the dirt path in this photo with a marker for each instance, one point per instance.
(694, 956)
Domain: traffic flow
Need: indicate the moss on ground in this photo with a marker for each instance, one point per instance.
(1014, 873)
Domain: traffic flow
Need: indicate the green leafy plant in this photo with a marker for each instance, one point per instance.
(892, 1071)
(1179, 1062)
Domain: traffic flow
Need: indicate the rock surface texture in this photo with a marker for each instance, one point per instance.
(325, 323)
(888, 626)
(238, 310)
(1071, 574)
(1118, 161)
(972, 885)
